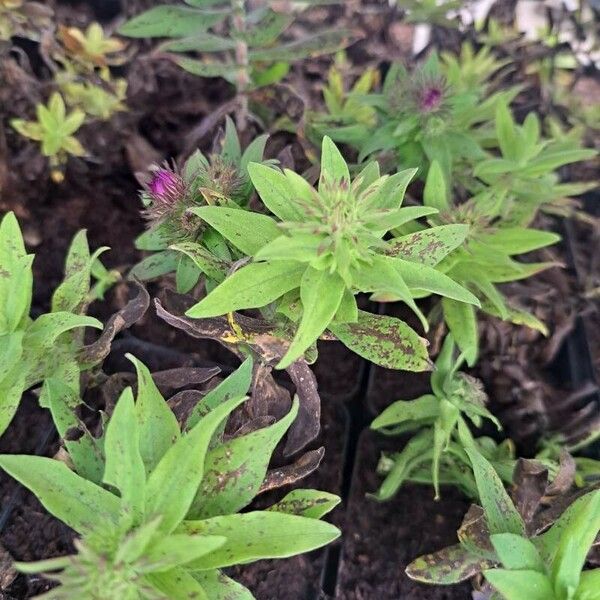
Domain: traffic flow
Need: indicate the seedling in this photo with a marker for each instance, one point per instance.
(50, 345)
(249, 54)
(54, 130)
(519, 564)
(437, 418)
(325, 246)
(161, 520)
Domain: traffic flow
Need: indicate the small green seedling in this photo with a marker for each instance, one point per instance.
(493, 540)
(51, 345)
(54, 130)
(156, 505)
(437, 418)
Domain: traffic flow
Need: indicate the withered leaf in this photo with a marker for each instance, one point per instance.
(289, 474)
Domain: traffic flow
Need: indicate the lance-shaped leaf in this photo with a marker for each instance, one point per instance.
(124, 468)
(428, 246)
(500, 512)
(253, 286)
(450, 565)
(247, 231)
(424, 408)
(462, 323)
(385, 341)
(202, 41)
(321, 293)
(526, 583)
(234, 470)
(321, 43)
(207, 69)
(306, 503)
(220, 587)
(157, 425)
(173, 484)
(154, 266)
(77, 502)
(258, 535)
(205, 261)
(171, 21)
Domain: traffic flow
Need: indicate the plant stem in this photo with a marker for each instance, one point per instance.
(241, 59)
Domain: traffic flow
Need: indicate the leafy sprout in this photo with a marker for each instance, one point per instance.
(54, 130)
(326, 245)
(156, 504)
(518, 563)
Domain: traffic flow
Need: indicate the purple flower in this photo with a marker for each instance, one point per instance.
(166, 186)
(431, 97)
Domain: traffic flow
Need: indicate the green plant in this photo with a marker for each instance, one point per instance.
(179, 240)
(526, 170)
(51, 345)
(482, 262)
(22, 18)
(432, 12)
(326, 246)
(240, 44)
(436, 453)
(518, 563)
(54, 130)
(156, 505)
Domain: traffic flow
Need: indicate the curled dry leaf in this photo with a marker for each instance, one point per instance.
(133, 311)
(289, 474)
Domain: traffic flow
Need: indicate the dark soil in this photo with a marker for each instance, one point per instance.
(381, 539)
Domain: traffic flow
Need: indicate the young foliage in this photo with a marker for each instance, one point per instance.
(163, 519)
(24, 19)
(322, 247)
(485, 260)
(437, 452)
(519, 564)
(235, 41)
(51, 345)
(54, 130)
(178, 239)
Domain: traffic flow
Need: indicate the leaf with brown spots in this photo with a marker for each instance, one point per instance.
(450, 565)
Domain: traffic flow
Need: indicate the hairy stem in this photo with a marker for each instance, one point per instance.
(241, 59)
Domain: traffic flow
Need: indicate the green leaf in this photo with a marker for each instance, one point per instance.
(234, 386)
(424, 408)
(516, 552)
(435, 193)
(86, 452)
(333, 165)
(275, 191)
(124, 468)
(235, 470)
(506, 132)
(253, 286)
(422, 277)
(44, 331)
(178, 549)
(450, 565)
(231, 151)
(259, 535)
(500, 513)
(173, 483)
(155, 265)
(385, 341)
(589, 584)
(517, 240)
(171, 21)
(306, 503)
(78, 503)
(321, 43)
(207, 69)
(157, 425)
(202, 41)
(267, 30)
(517, 585)
(247, 231)
(206, 261)
(321, 293)
(462, 323)
(428, 246)
(575, 543)
(220, 587)
(178, 584)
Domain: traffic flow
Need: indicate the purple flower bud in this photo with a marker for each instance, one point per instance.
(430, 98)
(166, 186)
